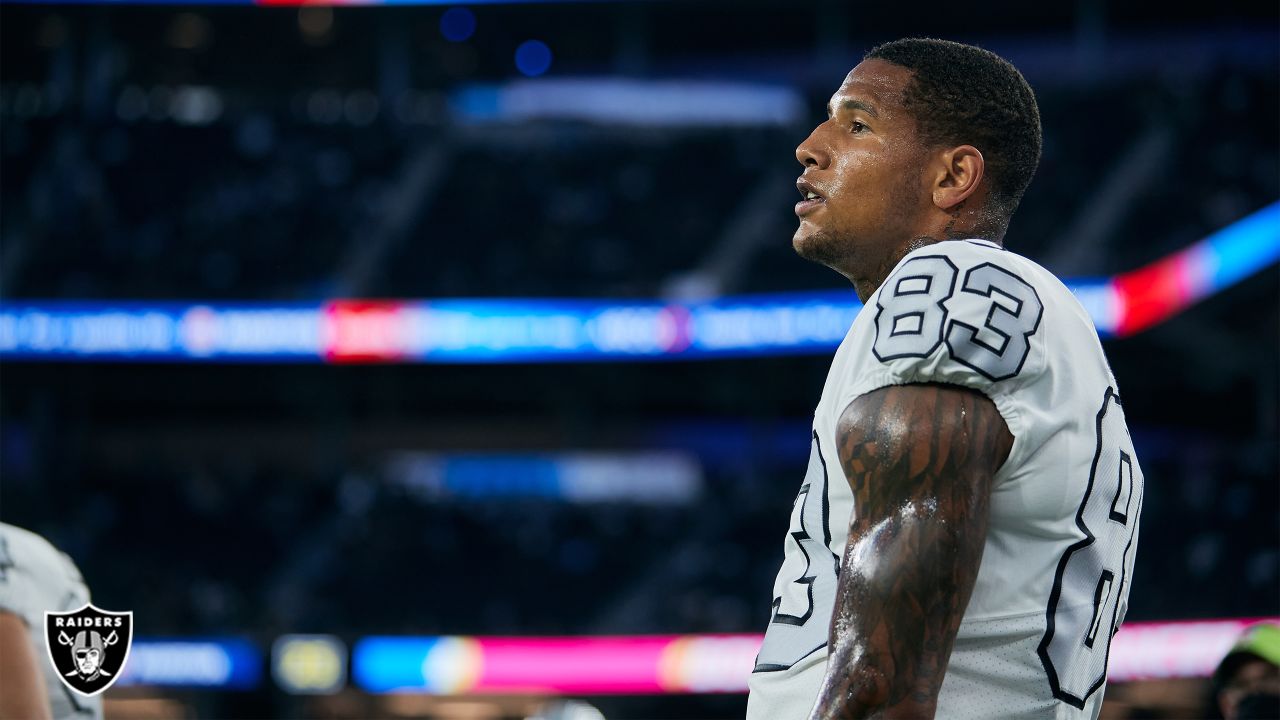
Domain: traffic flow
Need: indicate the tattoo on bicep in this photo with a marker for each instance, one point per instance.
(919, 460)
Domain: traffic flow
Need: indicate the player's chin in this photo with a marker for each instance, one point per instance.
(809, 242)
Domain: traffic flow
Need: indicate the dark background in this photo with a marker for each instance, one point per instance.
(251, 499)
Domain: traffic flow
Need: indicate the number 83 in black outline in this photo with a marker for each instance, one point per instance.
(916, 321)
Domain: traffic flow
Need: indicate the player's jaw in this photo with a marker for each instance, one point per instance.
(815, 212)
(857, 228)
(827, 212)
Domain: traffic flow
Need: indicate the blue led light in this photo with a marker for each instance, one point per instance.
(193, 663)
(533, 58)
(384, 664)
(1244, 247)
(457, 24)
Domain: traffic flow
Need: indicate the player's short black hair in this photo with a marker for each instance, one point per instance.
(961, 94)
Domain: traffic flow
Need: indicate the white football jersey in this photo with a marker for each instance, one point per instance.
(1053, 584)
(35, 577)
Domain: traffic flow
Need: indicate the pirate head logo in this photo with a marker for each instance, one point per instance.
(88, 647)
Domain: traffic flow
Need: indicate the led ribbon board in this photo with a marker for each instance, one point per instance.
(594, 665)
(541, 330)
(227, 663)
(698, 663)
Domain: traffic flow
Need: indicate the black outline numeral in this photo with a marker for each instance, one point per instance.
(899, 292)
(1107, 591)
(960, 337)
(1101, 596)
(970, 337)
(805, 578)
(1124, 482)
(813, 489)
(897, 322)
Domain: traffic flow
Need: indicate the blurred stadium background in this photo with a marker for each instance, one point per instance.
(452, 360)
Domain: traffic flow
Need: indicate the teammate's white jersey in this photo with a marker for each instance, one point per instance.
(1053, 585)
(35, 577)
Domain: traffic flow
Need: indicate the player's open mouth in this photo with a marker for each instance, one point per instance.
(812, 198)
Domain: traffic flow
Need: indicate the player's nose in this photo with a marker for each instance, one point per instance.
(810, 152)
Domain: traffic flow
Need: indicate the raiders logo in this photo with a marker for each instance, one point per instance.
(88, 647)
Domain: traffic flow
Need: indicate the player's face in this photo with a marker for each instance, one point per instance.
(865, 166)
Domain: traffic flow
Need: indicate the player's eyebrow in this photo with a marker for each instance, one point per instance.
(854, 105)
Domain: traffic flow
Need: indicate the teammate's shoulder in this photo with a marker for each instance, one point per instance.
(15, 534)
(19, 545)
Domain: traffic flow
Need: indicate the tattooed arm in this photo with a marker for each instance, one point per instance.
(920, 459)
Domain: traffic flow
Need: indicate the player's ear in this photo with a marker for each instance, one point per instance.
(957, 174)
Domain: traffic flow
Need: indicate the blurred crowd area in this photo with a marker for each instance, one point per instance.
(145, 156)
(202, 154)
(240, 542)
(238, 546)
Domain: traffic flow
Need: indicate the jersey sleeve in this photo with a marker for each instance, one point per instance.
(12, 599)
(35, 577)
(960, 315)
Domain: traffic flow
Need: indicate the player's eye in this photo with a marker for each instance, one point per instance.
(858, 127)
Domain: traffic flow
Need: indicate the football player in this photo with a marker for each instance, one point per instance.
(962, 544)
